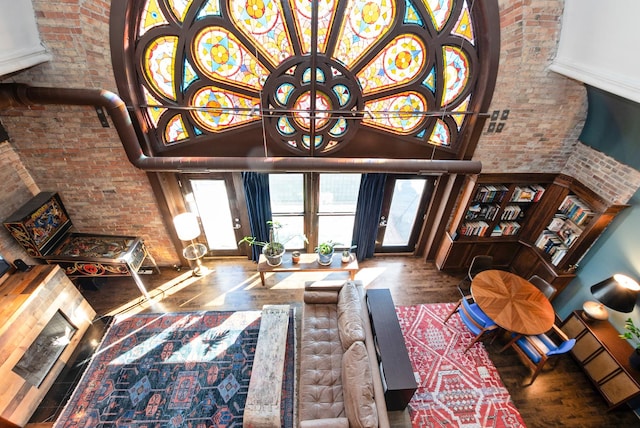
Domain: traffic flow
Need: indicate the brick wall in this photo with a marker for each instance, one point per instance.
(64, 148)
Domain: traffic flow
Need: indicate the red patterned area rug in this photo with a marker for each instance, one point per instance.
(188, 369)
(455, 389)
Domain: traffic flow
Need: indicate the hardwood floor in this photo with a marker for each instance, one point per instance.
(562, 397)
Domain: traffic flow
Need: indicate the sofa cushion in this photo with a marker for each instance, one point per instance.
(350, 324)
(320, 297)
(357, 387)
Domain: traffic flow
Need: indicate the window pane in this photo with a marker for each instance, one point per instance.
(336, 228)
(215, 215)
(287, 193)
(291, 232)
(403, 211)
(339, 193)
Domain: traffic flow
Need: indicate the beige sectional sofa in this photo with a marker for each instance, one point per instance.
(340, 383)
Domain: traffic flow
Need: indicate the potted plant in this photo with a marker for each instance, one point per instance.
(325, 252)
(632, 333)
(272, 249)
(346, 254)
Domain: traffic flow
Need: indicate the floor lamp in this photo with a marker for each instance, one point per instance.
(188, 229)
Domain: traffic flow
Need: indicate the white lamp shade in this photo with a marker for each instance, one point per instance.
(187, 226)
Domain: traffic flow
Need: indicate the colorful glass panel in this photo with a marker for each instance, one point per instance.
(339, 129)
(218, 110)
(440, 135)
(463, 27)
(306, 141)
(459, 118)
(285, 127)
(159, 65)
(302, 18)
(430, 81)
(188, 75)
(411, 15)
(175, 130)
(221, 56)
(365, 24)
(306, 76)
(456, 73)
(153, 112)
(179, 8)
(400, 62)
(343, 94)
(151, 16)
(210, 8)
(302, 107)
(440, 11)
(261, 22)
(397, 113)
(284, 92)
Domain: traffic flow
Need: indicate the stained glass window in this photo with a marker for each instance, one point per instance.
(309, 74)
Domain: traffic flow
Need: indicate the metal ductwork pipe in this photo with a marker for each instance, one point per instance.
(15, 94)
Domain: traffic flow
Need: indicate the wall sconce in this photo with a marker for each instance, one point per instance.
(618, 292)
(188, 229)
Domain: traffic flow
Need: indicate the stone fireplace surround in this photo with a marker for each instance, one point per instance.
(28, 300)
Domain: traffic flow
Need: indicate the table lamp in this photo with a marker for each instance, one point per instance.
(188, 229)
(618, 292)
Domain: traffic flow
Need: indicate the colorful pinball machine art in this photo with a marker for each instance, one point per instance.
(43, 227)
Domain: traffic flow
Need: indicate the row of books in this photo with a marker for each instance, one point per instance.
(575, 209)
(482, 212)
(511, 212)
(531, 193)
(506, 228)
(474, 228)
(490, 193)
(550, 243)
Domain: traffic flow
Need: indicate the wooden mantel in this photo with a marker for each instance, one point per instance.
(28, 300)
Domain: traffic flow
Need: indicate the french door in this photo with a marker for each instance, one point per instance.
(403, 212)
(218, 201)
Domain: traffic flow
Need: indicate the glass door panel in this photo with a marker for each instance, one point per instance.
(212, 201)
(403, 212)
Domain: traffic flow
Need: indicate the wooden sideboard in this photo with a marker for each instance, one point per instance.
(604, 357)
(395, 367)
(29, 301)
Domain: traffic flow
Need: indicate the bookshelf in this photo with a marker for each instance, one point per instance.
(540, 224)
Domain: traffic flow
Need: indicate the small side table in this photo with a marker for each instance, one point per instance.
(194, 253)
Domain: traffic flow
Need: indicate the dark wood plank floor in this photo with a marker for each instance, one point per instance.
(563, 397)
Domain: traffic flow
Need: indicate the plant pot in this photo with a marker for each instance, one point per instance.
(325, 259)
(295, 257)
(634, 359)
(273, 259)
(346, 257)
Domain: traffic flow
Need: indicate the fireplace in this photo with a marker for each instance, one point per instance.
(40, 357)
(42, 318)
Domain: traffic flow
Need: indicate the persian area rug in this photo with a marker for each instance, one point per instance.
(188, 369)
(455, 389)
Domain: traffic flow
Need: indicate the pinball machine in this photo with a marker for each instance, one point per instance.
(44, 229)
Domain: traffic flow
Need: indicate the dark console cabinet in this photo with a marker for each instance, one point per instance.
(393, 359)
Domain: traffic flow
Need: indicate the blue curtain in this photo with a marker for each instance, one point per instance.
(256, 190)
(368, 211)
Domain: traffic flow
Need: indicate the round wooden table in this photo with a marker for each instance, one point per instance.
(512, 302)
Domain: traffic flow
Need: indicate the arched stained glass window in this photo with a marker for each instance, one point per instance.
(309, 77)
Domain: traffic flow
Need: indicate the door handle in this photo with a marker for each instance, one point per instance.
(383, 222)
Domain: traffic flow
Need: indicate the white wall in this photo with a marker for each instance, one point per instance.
(599, 45)
(20, 45)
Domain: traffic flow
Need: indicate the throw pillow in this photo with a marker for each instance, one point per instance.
(357, 388)
(350, 324)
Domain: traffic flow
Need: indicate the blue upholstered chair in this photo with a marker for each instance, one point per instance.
(535, 351)
(473, 317)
